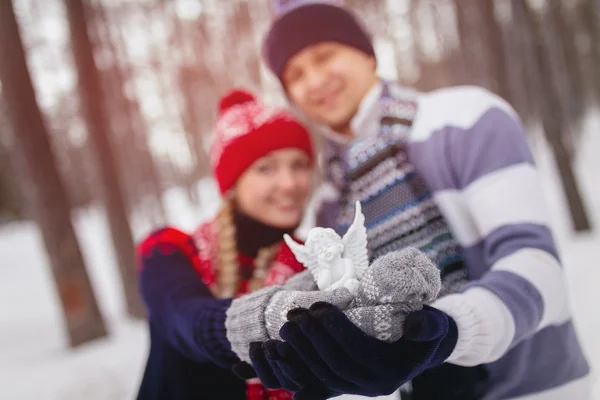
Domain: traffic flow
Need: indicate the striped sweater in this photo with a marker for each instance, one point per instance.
(513, 315)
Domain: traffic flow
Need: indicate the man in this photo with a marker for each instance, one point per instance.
(449, 172)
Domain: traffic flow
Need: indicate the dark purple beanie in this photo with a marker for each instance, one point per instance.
(308, 22)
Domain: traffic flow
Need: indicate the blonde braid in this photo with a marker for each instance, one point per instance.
(227, 257)
(227, 262)
(261, 265)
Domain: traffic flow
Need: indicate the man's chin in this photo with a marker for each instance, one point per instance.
(340, 127)
(337, 124)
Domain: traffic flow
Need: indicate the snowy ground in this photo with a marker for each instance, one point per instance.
(36, 364)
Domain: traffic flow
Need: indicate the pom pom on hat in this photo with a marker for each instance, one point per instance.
(233, 98)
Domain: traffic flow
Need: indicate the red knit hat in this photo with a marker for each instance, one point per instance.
(247, 130)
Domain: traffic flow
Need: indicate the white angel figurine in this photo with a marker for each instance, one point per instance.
(335, 261)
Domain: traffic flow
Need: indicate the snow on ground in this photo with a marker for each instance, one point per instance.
(35, 362)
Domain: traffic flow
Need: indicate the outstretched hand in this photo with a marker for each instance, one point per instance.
(324, 354)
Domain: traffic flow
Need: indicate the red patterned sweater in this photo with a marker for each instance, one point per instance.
(200, 252)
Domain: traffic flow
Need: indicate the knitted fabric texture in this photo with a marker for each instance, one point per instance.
(246, 131)
(183, 284)
(302, 23)
(282, 267)
(399, 209)
(245, 321)
(257, 316)
(393, 286)
(470, 147)
(165, 263)
(325, 354)
(285, 301)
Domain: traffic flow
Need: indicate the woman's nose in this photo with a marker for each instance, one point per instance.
(287, 181)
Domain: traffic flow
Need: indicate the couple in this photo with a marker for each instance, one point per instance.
(448, 172)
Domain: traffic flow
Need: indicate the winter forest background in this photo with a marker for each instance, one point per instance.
(106, 109)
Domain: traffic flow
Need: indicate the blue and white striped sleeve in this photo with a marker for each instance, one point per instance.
(494, 203)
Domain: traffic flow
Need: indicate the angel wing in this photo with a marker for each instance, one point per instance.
(355, 243)
(302, 254)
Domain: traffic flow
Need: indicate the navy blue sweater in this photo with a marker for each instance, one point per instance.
(190, 357)
(171, 376)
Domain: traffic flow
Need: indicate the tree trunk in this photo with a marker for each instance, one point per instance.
(188, 111)
(554, 120)
(563, 37)
(588, 14)
(496, 59)
(44, 188)
(482, 45)
(471, 46)
(92, 99)
(563, 159)
(126, 110)
(191, 109)
(522, 65)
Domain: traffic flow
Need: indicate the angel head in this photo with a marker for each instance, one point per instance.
(324, 248)
(325, 244)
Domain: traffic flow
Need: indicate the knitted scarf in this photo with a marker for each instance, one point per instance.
(399, 208)
(251, 235)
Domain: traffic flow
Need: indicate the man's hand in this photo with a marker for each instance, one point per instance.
(325, 355)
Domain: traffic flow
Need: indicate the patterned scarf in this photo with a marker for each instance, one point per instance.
(399, 208)
(251, 236)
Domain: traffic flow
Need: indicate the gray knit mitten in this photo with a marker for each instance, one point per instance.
(395, 285)
(283, 302)
(258, 316)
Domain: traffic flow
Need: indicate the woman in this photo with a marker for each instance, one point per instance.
(262, 159)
